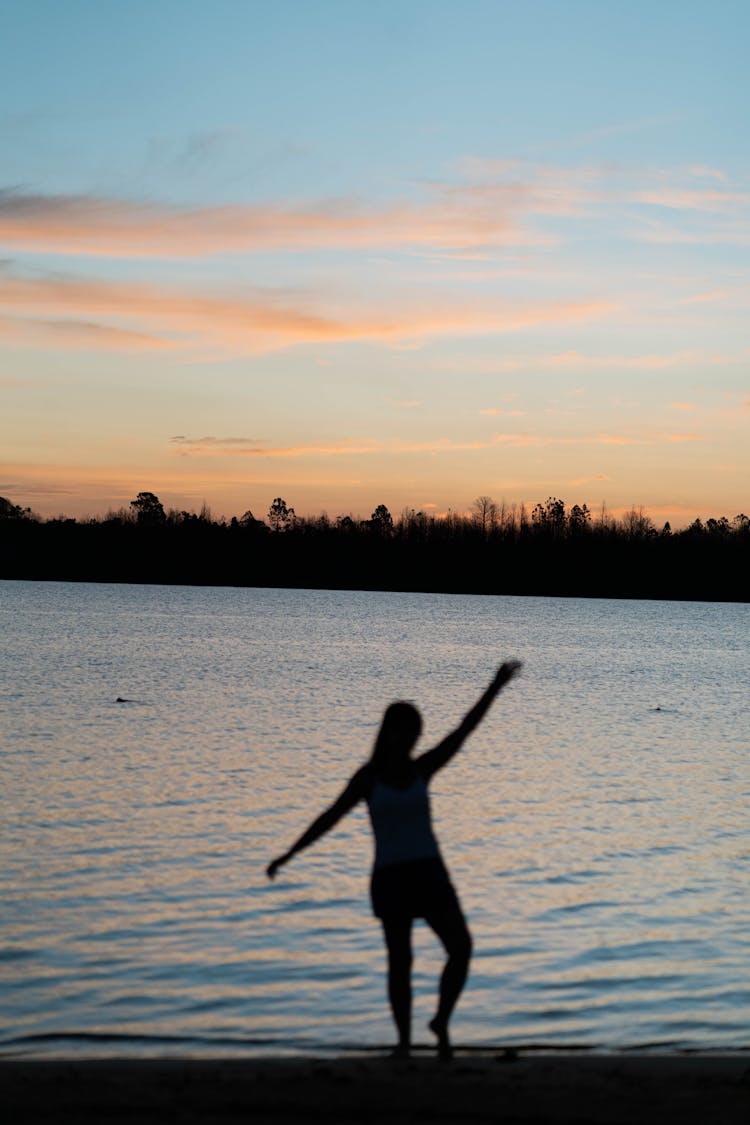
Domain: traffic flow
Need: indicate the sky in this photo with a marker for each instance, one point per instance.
(352, 253)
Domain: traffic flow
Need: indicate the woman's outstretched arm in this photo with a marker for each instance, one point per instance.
(354, 791)
(435, 759)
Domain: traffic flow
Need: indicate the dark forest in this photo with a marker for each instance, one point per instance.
(549, 550)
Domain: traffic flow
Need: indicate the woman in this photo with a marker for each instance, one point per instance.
(409, 879)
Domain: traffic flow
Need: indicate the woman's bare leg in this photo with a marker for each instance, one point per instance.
(398, 943)
(452, 930)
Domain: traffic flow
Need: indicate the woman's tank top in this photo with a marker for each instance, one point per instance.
(401, 823)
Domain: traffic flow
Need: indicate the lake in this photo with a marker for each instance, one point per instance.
(596, 824)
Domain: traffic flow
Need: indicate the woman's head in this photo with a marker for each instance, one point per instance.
(399, 730)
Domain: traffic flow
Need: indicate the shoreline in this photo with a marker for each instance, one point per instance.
(617, 594)
(515, 1087)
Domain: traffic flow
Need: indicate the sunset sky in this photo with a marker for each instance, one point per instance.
(352, 253)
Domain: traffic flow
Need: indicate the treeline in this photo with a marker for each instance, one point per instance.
(498, 549)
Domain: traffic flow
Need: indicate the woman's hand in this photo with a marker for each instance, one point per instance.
(506, 672)
(274, 867)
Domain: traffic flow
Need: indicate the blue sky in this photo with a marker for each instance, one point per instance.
(352, 253)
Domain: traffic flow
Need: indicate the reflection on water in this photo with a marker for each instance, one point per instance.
(596, 825)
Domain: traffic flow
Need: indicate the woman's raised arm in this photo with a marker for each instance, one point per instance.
(434, 760)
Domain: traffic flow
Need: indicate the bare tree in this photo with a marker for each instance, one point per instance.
(484, 512)
(636, 524)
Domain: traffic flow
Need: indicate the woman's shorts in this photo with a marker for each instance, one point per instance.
(415, 889)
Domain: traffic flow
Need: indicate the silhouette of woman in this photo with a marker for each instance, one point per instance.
(409, 878)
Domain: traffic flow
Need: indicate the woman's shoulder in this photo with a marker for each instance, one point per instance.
(363, 780)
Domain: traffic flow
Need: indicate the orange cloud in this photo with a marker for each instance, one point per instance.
(100, 226)
(632, 362)
(580, 361)
(79, 334)
(109, 486)
(231, 447)
(501, 410)
(677, 438)
(645, 439)
(251, 447)
(10, 382)
(709, 296)
(486, 209)
(254, 447)
(123, 315)
(685, 199)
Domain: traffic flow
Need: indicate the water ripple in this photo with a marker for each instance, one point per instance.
(596, 825)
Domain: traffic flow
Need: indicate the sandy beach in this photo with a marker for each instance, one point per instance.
(517, 1090)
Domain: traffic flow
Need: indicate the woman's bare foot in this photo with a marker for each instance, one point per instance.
(445, 1051)
(401, 1051)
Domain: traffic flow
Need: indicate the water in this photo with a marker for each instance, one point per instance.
(596, 825)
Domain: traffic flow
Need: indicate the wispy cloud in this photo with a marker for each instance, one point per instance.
(704, 298)
(686, 199)
(491, 204)
(647, 439)
(207, 447)
(252, 447)
(78, 334)
(201, 147)
(649, 362)
(180, 439)
(100, 226)
(737, 293)
(125, 315)
(732, 233)
(27, 488)
(710, 208)
(10, 382)
(582, 361)
(702, 171)
(502, 410)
